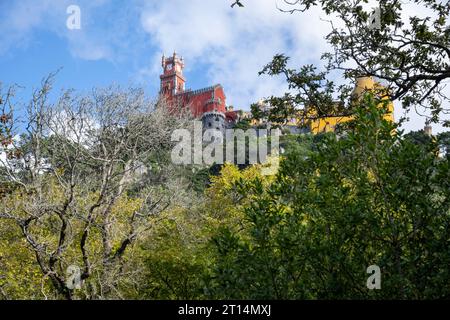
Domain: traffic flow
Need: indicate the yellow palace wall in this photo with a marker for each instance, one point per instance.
(328, 124)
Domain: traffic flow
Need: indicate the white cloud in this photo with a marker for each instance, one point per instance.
(233, 45)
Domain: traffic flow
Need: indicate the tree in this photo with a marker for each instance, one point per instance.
(177, 257)
(438, 144)
(84, 186)
(410, 54)
(444, 142)
(368, 197)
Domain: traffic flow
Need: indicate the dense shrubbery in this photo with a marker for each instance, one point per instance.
(337, 205)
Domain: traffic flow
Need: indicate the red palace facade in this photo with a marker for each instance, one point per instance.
(207, 104)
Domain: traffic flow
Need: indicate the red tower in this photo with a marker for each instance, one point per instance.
(202, 102)
(172, 79)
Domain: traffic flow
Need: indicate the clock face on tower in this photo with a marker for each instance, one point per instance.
(169, 67)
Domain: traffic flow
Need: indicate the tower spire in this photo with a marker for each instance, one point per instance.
(172, 79)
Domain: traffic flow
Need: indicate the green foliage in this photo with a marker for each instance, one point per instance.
(20, 277)
(413, 58)
(243, 124)
(367, 197)
(177, 256)
(310, 90)
(444, 142)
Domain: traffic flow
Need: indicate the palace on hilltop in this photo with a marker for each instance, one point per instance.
(315, 124)
(209, 104)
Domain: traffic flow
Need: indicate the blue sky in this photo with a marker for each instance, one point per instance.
(121, 42)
